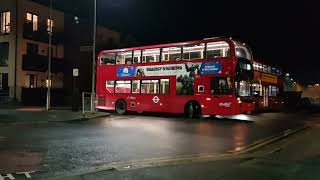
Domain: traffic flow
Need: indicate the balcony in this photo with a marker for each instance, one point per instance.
(41, 34)
(34, 62)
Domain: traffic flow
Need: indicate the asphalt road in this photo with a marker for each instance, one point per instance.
(69, 148)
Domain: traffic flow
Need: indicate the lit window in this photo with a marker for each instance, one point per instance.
(136, 86)
(108, 58)
(31, 18)
(151, 55)
(124, 57)
(193, 52)
(137, 56)
(218, 50)
(5, 22)
(171, 54)
(50, 25)
(149, 86)
(164, 86)
(243, 88)
(123, 86)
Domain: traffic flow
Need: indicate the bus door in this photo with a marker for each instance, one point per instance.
(155, 94)
(221, 89)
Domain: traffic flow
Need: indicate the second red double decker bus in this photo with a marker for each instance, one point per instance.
(204, 77)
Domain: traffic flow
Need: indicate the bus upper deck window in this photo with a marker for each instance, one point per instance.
(151, 55)
(193, 51)
(171, 54)
(137, 56)
(218, 49)
(108, 58)
(124, 57)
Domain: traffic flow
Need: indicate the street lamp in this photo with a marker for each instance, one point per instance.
(94, 57)
(49, 60)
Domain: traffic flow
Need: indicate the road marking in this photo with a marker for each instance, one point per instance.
(11, 177)
(7, 176)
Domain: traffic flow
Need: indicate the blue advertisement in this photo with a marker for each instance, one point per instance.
(210, 68)
(126, 71)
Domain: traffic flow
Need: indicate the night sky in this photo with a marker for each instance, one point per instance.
(282, 32)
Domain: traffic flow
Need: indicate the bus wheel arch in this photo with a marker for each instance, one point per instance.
(121, 106)
(192, 109)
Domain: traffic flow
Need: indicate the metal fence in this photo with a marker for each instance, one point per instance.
(4, 99)
(89, 103)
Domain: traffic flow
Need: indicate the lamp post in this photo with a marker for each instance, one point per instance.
(49, 60)
(94, 57)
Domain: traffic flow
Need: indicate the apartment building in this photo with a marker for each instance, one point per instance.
(24, 35)
(24, 47)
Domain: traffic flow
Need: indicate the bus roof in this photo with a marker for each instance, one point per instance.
(228, 40)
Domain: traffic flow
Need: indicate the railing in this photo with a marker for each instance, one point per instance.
(4, 98)
(89, 103)
(35, 62)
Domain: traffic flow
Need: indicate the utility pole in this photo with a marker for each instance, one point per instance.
(94, 58)
(49, 59)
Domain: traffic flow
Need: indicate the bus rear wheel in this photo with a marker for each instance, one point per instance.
(121, 107)
(192, 110)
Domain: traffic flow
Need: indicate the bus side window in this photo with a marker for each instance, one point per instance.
(124, 57)
(110, 86)
(218, 49)
(137, 57)
(150, 87)
(165, 86)
(136, 86)
(123, 87)
(195, 51)
(151, 55)
(108, 59)
(171, 54)
(221, 85)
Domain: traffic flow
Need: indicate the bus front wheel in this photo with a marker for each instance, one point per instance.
(192, 110)
(121, 107)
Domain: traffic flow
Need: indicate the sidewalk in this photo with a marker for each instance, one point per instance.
(296, 157)
(26, 115)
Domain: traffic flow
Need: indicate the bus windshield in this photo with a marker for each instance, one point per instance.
(243, 88)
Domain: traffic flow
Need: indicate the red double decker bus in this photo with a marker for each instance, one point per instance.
(204, 77)
(267, 86)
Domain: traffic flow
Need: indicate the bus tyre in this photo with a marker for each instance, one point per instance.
(121, 107)
(192, 110)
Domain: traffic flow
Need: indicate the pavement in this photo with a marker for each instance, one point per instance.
(35, 115)
(295, 157)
